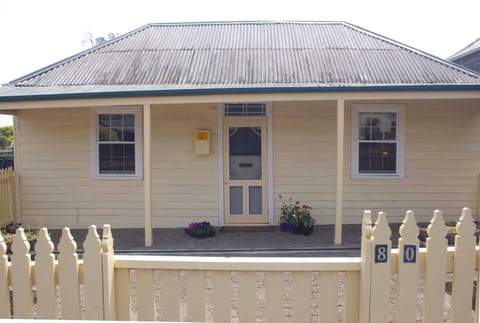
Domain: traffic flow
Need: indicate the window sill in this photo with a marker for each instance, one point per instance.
(377, 177)
(118, 178)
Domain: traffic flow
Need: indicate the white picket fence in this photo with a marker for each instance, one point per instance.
(105, 286)
(7, 196)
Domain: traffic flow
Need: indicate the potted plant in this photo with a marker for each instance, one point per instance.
(200, 230)
(307, 221)
(295, 218)
(288, 215)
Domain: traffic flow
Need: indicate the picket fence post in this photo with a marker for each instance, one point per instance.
(4, 288)
(45, 273)
(108, 275)
(407, 269)
(21, 276)
(92, 271)
(435, 269)
(68, 272)
(380, 270)
(366, 267)
(464, 262)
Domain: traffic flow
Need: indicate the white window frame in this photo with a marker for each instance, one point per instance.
(95, 167)
(399, 109)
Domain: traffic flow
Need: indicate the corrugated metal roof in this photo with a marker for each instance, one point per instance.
(245, 55)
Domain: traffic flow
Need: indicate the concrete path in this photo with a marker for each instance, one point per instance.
(273, 243)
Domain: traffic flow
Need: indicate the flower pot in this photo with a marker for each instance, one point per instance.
(283, 227)
(307, 230)
(200, 234)
(298, 229)
(291, 228)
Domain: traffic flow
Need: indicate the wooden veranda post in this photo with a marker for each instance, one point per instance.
(147, 172)
(339, 193)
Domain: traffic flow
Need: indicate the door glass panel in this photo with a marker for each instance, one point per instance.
(255, 200)
(236, 200)
(245, 153)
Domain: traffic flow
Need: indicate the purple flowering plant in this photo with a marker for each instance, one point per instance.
(296, 217)
(200, 230)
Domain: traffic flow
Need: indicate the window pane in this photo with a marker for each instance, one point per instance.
(130, 150)
(117, 120)
(129, 120)
(234, 110)
(379, 158)
(255, 200)
(375, 122)
(117, 158)
(377, 126)
(245, 153)
(236, 200)
(128, 134)
(390, 126)
(103, 134)
(104, 120)
(245, 109)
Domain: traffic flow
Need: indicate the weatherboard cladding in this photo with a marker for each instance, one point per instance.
(249, 55)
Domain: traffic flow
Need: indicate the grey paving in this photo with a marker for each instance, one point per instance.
(272, 243)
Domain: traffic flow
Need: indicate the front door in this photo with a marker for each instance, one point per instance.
(245, 174)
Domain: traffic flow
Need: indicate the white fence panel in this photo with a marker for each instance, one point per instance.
(45, 272)
(245, 289)
(21, 277)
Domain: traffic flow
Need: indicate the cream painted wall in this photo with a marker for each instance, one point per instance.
(304, 158)
(442, 166)
(57, 188)
(184, 185)
(442, 162)
(56, 184)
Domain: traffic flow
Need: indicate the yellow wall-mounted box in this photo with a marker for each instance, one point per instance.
(202, 142)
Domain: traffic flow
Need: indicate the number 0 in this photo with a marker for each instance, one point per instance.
(410, 253)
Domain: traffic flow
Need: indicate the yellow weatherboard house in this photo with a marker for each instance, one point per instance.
(212, 121)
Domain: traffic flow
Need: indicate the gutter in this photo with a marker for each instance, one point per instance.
(243, 90)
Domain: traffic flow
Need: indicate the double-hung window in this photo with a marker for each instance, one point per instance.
(378, 140)
(117, 145)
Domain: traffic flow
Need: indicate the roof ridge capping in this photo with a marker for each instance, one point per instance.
(243, 22)
(417, 51)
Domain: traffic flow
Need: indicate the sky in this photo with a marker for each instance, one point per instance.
(35, 34)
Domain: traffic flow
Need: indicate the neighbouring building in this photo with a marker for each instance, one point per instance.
(468, 56)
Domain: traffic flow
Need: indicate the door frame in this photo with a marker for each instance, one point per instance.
(220, 160)
(245, 184)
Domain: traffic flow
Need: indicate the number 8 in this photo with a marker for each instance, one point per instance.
(381, 253)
